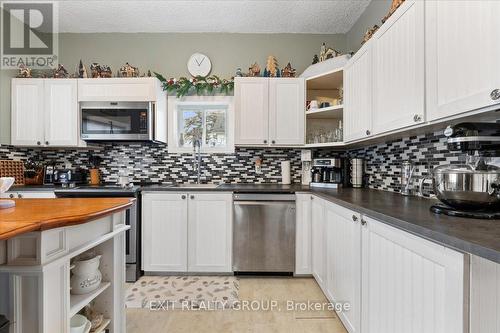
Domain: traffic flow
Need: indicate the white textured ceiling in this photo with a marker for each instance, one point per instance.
(239, 16)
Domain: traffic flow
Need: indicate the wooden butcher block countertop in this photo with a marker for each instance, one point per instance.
(42, 214)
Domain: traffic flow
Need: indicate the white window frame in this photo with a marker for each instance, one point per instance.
(173, 131)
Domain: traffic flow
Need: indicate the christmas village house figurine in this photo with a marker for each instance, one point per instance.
(129, 71)
(288, 71)
(327, 53)
(98, 71)
(24, 72)
(95, 70)
(106, 72)
(254, 70)
(60, 72)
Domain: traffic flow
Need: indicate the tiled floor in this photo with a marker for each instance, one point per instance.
(258, 289)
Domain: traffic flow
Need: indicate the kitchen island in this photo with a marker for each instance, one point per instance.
(39, 241)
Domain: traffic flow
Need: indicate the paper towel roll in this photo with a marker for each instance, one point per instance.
(285, 172)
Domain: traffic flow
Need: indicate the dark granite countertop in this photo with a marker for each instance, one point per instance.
(412, 214)
(236, 188)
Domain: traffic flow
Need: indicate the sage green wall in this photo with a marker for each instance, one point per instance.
(372, 15)
(168, 54)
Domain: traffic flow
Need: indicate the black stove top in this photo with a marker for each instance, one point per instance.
(477, 214)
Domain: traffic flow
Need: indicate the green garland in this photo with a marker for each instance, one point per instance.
(202, 85)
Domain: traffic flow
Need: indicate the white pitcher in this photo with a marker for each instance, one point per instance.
(86, 276)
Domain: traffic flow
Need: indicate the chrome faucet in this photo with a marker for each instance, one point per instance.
(197, 158)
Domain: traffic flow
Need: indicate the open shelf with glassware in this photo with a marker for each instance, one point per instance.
(324, 109)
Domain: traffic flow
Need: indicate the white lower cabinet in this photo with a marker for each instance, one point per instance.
(318, 239)
(484, 296)
(164, 232)
(210, 221)
(303, 265)
(410, 284)
(186, 232)
(343, 257)
(393, 281)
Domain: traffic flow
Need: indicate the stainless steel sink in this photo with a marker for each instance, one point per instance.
(188, 186)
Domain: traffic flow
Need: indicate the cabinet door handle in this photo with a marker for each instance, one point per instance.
(183, 197)
(191, 197)
(19, 195)
(354, 218)
(368, 132)
(417, 118)
(495, 94)
(363, 222)
(265, 141)
(273, 142)
(38, 143)
(312, 197)
(47, 143)
(11, 196)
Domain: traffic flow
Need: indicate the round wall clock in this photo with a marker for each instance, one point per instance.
(199, 65)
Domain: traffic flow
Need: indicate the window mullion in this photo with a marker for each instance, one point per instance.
(204, 128)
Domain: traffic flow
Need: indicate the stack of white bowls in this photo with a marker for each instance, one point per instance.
(357, 172)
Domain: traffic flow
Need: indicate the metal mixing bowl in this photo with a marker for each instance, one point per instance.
(462, 187)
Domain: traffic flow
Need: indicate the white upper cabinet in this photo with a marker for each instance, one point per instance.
(286, 111)
(462, 52)
(164, 232)
(61, 112)
(252, 110)
(358, 95)
(269, 111)
(44, 112)
(27, 117)
(210, 221)
(410, 284)
(147, 89)
(398, 69)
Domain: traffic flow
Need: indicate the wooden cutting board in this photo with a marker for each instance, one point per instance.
(14, 169)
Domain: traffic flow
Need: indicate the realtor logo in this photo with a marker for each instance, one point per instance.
(29, 34)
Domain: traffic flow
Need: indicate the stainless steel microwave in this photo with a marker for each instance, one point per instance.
(117, 121)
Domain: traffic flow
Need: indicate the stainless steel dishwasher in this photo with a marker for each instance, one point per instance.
(264, 233)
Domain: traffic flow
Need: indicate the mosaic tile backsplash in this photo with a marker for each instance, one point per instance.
(151, 162)
(383, 161)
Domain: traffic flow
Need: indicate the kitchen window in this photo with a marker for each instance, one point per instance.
(208, 119)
